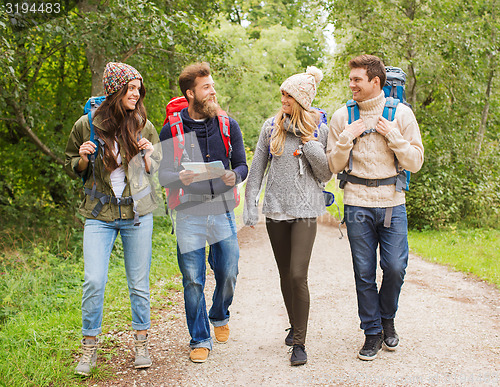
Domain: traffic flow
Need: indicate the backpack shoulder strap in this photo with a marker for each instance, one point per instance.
(390, 108)
(177, 129)
(352, 110)
(225, 131)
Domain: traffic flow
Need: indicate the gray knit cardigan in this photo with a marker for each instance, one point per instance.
(289, 191)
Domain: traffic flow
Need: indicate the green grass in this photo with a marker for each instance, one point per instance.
(474, 251)
(40, 297)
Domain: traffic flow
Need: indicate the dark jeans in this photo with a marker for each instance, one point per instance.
(366, 231)
(292, 243)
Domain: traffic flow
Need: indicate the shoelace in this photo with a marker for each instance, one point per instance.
(141, 348)
(389, 329)
(88, 352)
(370, 343)
(290, 350)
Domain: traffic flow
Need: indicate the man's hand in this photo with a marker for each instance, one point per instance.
(229, 178)
(187, 176)
(384, 126)
(356, 128)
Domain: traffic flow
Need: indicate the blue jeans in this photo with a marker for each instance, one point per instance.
(193, 232)
(98, 240)
(366, 231)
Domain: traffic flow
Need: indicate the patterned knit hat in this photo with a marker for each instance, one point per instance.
(116, 75)
(302, 87)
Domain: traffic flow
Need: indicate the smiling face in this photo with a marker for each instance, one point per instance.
(287, 102)
(130, 99)
(203, 98)
(363, 89)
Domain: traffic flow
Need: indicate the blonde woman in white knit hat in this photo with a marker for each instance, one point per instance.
(293, 143)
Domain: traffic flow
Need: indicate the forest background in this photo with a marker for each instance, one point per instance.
(52, 62)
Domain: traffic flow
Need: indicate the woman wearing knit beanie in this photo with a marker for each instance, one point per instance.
(119, 198)
(293, 143)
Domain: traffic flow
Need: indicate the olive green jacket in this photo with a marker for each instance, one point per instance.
(137, 178)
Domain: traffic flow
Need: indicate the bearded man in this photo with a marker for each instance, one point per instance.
(206, 210)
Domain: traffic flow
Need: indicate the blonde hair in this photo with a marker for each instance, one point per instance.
(306, 121)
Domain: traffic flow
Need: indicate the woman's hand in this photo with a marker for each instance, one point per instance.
(86, 149)
(146, 146)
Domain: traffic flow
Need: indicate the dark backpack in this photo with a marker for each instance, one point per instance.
(173, 117)
(394, 86)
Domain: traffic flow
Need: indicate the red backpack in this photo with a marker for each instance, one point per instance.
(173, 109)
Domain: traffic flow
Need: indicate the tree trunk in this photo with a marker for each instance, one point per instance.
(411, 94)
(95, 55)
(484, 117)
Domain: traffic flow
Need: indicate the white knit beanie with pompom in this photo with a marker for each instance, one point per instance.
(302, 87)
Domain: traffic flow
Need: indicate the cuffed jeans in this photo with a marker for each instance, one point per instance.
(366, 231)
(193, 232)
(98, 240)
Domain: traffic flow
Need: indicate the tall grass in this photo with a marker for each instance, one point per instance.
(474, 251)
(40, 297)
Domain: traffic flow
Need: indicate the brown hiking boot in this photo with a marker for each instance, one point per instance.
(199, 355)
(222, 334)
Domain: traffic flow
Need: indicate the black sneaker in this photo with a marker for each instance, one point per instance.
(391, 338)
(289, 337)
(299, 355)
(373, 344)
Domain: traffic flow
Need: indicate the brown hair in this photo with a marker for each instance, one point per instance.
(118, 122)
(372, 64)
(188, 76)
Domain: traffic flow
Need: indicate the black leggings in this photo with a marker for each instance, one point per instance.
(292, 242)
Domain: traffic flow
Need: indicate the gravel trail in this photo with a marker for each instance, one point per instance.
(448, 323)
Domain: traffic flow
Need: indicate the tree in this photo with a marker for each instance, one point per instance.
(448, 50)
(51, 66)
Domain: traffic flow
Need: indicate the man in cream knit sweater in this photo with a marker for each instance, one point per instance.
(374, 210)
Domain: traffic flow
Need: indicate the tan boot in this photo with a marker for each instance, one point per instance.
(222, 334)
(89, 357)
(199, 355)
(142, 358)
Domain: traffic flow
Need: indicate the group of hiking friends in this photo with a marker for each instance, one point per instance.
(116, 151)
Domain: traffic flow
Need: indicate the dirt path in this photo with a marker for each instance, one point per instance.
(449, 325)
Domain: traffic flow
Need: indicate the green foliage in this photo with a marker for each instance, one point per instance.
(48, 72)
(259, 68)
(449, 50)
(472, 251)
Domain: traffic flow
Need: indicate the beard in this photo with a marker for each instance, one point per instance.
(207, 107)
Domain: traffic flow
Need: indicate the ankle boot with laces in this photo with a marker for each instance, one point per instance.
(142, 358)
(373, 344)
(391, 338)
(299, 355)
(88, 358)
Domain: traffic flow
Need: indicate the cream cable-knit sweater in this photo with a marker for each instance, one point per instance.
(373, 154)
